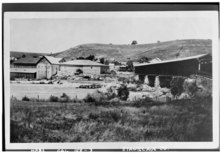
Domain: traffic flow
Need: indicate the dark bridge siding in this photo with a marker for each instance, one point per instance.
(180, 68)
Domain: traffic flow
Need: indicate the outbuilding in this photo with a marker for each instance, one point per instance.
(24, 68)
(85, 66)
(47, 67)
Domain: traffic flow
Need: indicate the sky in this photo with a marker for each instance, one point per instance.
(46, 35)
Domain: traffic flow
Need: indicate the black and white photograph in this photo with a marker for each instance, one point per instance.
(111, 79)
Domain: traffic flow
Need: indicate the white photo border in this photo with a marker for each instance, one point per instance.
(113, 145)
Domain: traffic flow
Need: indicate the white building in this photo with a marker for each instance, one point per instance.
(87, 67)
(47, 67)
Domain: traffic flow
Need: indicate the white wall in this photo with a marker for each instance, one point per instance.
(44, 69)
(91, 70)
(70, 70)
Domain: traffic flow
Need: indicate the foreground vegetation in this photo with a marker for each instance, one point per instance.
(84, 121)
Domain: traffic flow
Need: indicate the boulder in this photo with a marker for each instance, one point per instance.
(184, 95)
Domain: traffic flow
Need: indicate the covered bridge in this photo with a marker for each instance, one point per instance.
(199, 64)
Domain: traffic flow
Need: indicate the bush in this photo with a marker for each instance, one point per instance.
(165, 81)
(25, 98)
(108, 116)
(53, 99)
(64, 98)
(97, 97)
(93, 115)
(110, 93)
(79, 71)
(89, 98)
(143, 102)
(123, 92)
(176, 86)
(190, 86)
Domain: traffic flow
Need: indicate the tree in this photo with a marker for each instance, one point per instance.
(134, 42)
(117, 63)
(123, 92)
(102, 60)
(130, 66)
(90, 57)
(80, 58)
(23, 56)
(106, 62)
(176, 86)
(79, 71)
(144, 60)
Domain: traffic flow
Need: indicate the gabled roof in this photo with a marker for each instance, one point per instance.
(82, 63)
(53, 60)
(27, 60)
(174, 60)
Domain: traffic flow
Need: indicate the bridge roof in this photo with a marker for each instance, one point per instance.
(173, 60)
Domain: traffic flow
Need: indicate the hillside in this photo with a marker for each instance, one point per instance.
(162, 50)
(27, 54)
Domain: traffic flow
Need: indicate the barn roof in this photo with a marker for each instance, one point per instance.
(53, 60)
(173, 60)
(83, 63)
(27, 60)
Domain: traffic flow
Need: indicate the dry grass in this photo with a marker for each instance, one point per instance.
(185, 120)
(162, 50)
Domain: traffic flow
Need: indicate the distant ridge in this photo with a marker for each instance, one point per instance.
(163, 50)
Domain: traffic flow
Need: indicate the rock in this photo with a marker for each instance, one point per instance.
(147, 88)
(162, 98)
(114, 100)
(184, 96)
(165, 90)
(169, 95)
(158, 93)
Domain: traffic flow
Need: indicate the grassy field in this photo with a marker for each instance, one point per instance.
(46, 90)
(185, 120)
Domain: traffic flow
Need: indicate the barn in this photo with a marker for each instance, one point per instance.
(47, 67)
(24, 68)
(199, 64)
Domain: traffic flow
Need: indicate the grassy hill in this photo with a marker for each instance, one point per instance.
(162, 50)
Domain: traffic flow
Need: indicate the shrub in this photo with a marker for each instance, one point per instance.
(64, 98)
(190, 86)
(108, 116)
(89, 98)
(93, 115)
(123, 92)
(176, 86)
(79, 71)
(25, 98)
(142, 102)
(165, 81)
(97, 97)
(53, 99)
(110, 93)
